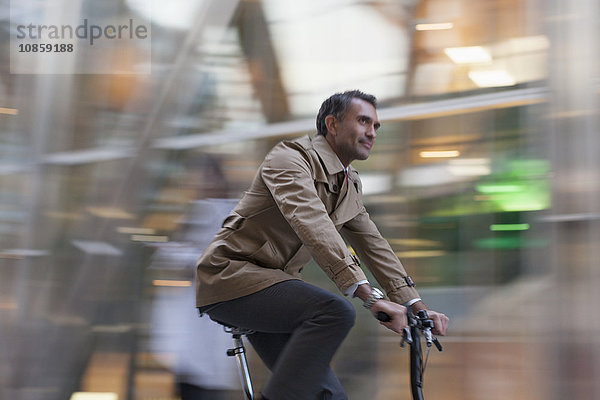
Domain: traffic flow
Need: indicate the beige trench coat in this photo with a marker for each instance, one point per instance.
(296, 208)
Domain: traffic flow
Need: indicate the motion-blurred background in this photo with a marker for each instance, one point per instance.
(485, 179)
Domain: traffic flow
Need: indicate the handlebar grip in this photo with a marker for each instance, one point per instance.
(383, 317)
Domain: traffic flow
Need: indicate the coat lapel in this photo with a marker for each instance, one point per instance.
(347, 205)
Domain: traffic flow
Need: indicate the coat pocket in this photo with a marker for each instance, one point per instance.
(266, 256)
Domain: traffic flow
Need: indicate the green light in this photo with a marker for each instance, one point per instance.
(499, 188)
(509, 227)
(510, 243)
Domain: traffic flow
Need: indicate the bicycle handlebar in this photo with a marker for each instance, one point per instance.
(420, 321)
(383, 317)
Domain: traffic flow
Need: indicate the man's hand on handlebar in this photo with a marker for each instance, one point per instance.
(440, 321)
(396, 312)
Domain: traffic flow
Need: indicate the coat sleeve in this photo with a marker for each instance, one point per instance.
(287, 174)
(378, 256)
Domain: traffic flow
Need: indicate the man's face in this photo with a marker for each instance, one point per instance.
(353, 137)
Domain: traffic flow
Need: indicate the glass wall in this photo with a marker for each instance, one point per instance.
(120, 158)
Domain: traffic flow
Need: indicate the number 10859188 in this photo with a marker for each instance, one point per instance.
(46, 48)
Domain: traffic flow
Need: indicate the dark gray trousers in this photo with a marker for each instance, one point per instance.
(298, 328)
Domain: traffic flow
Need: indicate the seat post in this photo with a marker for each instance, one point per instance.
(239, 351)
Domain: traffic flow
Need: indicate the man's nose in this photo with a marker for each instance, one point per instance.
(372, 132)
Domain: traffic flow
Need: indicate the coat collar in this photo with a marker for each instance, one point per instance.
(327, 155)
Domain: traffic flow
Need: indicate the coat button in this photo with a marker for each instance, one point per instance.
(335, 187)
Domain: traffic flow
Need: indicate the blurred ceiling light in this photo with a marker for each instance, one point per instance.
(149, 238)
(434, 26)
(470, 167)
(9, 111)
(177, 14)
(492, 78)
(135, 230)
(171, 283)
(94, 396)
(109, 212)
(472, 170)
(468, 55)
(439, 154)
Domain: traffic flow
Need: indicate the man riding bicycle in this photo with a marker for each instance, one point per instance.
(304, 201)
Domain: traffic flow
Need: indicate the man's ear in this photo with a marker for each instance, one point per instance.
(331, 124)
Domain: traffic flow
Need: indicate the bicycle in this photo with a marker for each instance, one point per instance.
(418, 325)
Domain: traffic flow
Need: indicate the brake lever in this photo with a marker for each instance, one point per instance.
(406, 337)
(428, 336)
(427, 325)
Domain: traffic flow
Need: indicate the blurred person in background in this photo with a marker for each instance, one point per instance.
(193, 348)
(304, 201)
